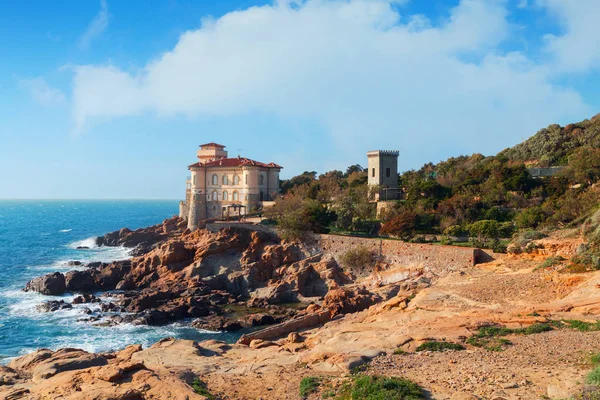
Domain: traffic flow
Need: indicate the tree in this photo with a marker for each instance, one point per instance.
(484, 230)
(401, 225)
(297, 215)
(353, 168)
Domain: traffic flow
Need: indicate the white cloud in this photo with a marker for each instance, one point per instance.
(369, 76)
(577, 48)
(96, 27)
(42, 93)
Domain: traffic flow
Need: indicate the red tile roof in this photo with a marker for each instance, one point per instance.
(212, 144)
(235, 162)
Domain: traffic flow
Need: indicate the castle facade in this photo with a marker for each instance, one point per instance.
(220, 186)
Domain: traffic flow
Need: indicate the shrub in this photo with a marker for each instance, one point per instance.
(367, 387)
(551, 262)
(201, 388)
(357, 257)
(439, 346)
(595, 359)
(309, 385)
(583, 326)
(537, 328)
(484, 230)
(593, 377)
(401, 225)
(530, 218)
(399, 351)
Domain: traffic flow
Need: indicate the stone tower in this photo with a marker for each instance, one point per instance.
(383, 174)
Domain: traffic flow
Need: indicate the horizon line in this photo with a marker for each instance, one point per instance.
(83, 198)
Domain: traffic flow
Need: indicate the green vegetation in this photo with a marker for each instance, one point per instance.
(490, 337)
(595, 359)
(583, 326)
(309, 385)
(357, 257)
(365, 387)
(551, 262)
(488, 198)
(201, 388)
(593, 377)
(399, 351)
(439, 346)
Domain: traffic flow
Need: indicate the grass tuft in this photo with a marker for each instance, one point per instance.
(201, 388)
(365, 387)
(309, 385)
(593, 377)
(439, 346)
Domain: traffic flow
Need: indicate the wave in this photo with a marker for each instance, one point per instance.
(90, 243)
(65, 230)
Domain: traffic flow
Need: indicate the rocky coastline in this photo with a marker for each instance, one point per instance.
(317, 318)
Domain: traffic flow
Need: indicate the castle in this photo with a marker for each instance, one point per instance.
(382, 169)
(225, 187)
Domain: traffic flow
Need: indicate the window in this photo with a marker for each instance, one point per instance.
(225, 180)
(225, 196)
(387, 172)
(235, 196)
(373, 172)
(261, 179)
(236, 180)
(194, 179)
(215, 195)
(246, 179)
(215, 179)
(208, 197)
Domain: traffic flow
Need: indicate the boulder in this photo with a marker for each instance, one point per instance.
(50, 284)
(54, 305)
(80, 281)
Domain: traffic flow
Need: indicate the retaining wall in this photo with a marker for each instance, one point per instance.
(401, 253)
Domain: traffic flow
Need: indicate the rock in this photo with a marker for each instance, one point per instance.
(54, 305)
(342, 301)
(82, 248)
(294, 337)
(74, 263)
(43, 364)
(8, 376)
(259, 343)
(50, 284)
(80, 281)
(128, 351)
(86, 298)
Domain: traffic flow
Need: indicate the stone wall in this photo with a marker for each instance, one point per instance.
(216, 226)
(401, 253)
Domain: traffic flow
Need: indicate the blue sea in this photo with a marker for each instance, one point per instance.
(41, 236)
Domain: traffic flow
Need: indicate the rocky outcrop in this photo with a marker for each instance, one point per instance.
(51, 284)
(144, 239)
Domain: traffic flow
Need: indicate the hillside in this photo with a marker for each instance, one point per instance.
(485, 197)
(553, 145)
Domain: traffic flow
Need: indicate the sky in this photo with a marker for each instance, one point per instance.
(110, 99)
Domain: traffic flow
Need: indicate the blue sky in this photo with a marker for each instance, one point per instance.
(107, 99)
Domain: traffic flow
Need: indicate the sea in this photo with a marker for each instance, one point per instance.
(41, 236)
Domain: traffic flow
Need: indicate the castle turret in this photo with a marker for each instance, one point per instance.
(383, 174)
(211, 152)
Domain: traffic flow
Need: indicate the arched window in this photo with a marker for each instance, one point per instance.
(225, 180)
(208, 197)
(235, 196)
(215, 179)
(215, 196)
(236, 180)
(225, 196)
(261, 179)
